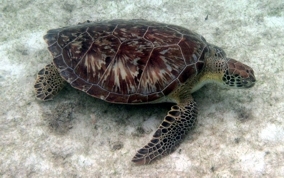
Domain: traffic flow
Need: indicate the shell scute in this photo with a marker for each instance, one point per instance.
(199, 66)
(124, 73)
(68, 34)
(161, 36)
(162, 68)
(101, 30)
(117, 98)
(68, 75)
(96, 60)
(127, 32)
(170, 87)
(137, 98)
(126, 61)
(77, 49)
(192, 47)
(188, 73)
(60, 63)
(181, 30)
(51, 38)
(55, 50)
(98, 92)
(81, 84)
(155, 96)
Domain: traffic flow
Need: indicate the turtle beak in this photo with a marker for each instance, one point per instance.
(250, 80)
(247, 74)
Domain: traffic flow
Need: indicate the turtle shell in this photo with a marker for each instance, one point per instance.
(126, 61)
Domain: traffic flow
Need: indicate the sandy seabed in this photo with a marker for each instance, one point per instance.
(240, 132)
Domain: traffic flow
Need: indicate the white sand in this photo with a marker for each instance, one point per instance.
(240, 132)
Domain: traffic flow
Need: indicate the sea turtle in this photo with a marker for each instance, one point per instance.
(137, 62)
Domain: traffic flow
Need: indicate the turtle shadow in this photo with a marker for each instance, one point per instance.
(64, 109)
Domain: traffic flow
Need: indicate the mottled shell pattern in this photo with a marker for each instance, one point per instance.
(126, 61)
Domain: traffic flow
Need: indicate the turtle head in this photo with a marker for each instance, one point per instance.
(225, 71)
(238, 75)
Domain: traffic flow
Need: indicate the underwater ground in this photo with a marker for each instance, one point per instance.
(240, 132)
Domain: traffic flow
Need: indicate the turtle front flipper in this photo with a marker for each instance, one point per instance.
(178, 122)
(48, 82)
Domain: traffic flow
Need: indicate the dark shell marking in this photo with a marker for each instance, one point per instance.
(126, 61)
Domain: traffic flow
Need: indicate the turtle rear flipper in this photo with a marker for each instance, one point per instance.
(48, 82)
(178, 122)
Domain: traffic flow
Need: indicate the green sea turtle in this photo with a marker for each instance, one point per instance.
(138, 62)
